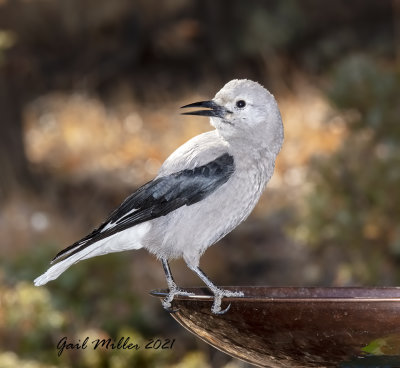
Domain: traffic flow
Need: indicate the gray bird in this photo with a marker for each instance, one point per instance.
(206, 188)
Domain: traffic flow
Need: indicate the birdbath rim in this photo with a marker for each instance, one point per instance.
(295, 293)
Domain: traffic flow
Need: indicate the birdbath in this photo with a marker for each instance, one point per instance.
(299, 327)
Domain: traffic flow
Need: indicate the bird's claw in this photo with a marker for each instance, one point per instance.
(171, 309)
(223, 311)
(167, 302)
(218, 295)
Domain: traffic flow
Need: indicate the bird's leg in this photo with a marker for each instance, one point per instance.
(173, 288)
(218, 293)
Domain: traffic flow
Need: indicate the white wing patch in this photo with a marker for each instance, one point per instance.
(111, 224)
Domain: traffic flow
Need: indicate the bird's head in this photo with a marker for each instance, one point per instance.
(244, 111)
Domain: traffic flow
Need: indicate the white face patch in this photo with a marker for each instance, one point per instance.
(253, 116)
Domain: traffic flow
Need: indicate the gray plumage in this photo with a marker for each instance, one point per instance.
(203, 190)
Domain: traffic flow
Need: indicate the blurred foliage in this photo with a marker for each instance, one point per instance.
(276, 26)
(355, 201)
(98, 45)
(97, 80)
(31, 327)
(7, 40)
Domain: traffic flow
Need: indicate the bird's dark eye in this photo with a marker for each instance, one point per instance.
(240, 104)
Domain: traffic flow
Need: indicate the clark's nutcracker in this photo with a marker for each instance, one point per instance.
(206, 188)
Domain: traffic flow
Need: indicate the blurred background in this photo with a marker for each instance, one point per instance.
(90, 92)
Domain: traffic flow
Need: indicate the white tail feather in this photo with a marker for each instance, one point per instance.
(125, 240)
(56, 270)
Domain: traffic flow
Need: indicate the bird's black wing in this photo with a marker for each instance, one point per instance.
(158, 198)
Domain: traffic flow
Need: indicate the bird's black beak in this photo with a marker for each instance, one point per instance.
(215, 109)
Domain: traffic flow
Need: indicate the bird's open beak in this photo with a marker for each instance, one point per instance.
(215, 109)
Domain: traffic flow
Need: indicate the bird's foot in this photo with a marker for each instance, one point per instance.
(218, 295)
(173, 291)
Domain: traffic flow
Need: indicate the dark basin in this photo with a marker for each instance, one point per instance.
(299, 327)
